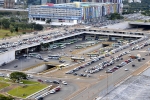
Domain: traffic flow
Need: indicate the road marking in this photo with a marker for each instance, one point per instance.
(142, 51)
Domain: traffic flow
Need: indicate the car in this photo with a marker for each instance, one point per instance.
(29, 76)
(8, 75)
(139, 59)
(88, 75)
(57, 89)
(39, 80)
(126, 69)
(52, 91)
(133, 65)
(48, 81)
(45, 60)
(55, 82)
(3, 64)
(75, 74)
(108, 71)
(143, 58)
(15, 66)
(61, 61)
(2, 75)
(69, 72)
(40, 98)
(64, 82)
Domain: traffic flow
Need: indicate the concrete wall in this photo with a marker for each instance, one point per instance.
(62, 23)
(39, 22)
(123, 25)
(38, 69)
(56, 23)
(7, 56)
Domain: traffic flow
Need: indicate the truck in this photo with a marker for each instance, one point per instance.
(133, 57)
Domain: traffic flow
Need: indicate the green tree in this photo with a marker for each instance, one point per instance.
(18, 13)
(11, 28)
(45, 45)
(2, 97)
(12, 19)
(17, 76)
(38, 27)
(16, 29)
(32, 25)
(24, 20)
(5, 23)
(114, 16)
(48, 21)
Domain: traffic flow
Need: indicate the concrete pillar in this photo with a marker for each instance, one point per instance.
(108, 37)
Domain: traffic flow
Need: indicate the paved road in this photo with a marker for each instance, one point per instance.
(91, 92)
(61, 95)
(66, 90)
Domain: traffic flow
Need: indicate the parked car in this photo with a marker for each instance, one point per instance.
(40, 98)
(133, 65)
(57, 89)
(39, 80)
(2, 75)
(48, 81)
(52, 91)
(126, 69)
(55, 82)
(64, 82)
(61, 61)
(3, 64)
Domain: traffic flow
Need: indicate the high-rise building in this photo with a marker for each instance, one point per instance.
(130, 1)
(1, 2)
(43, 2)
(139, 1)
(72, 13)
(9, 3)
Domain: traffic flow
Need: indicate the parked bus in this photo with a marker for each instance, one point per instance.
(75, 59)
(93, 54)
(33, 54)
(79, 46)
(62, 46)
(54, 57)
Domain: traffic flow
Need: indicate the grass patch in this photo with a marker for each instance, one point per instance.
(4, 79)
(29, 82)
(23, 92)
(6, 33)
(3, 85)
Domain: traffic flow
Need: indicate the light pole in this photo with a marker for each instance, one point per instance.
(1, 24)
(107, 87)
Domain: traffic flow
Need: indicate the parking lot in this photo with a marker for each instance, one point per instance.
(93, 66)
(80, 67)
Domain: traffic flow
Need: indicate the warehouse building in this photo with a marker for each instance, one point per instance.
(72, 13)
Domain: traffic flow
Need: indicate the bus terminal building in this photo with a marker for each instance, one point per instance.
(72, 13)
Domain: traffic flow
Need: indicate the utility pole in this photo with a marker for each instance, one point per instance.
(107, 87)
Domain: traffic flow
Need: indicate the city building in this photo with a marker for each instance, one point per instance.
(139, 1)
(72, 13)
(1, 2)
(130, 1)
(9, 3)
(54, 1)
(43, 2)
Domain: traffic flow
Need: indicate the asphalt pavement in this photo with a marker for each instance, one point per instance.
(93, 91)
